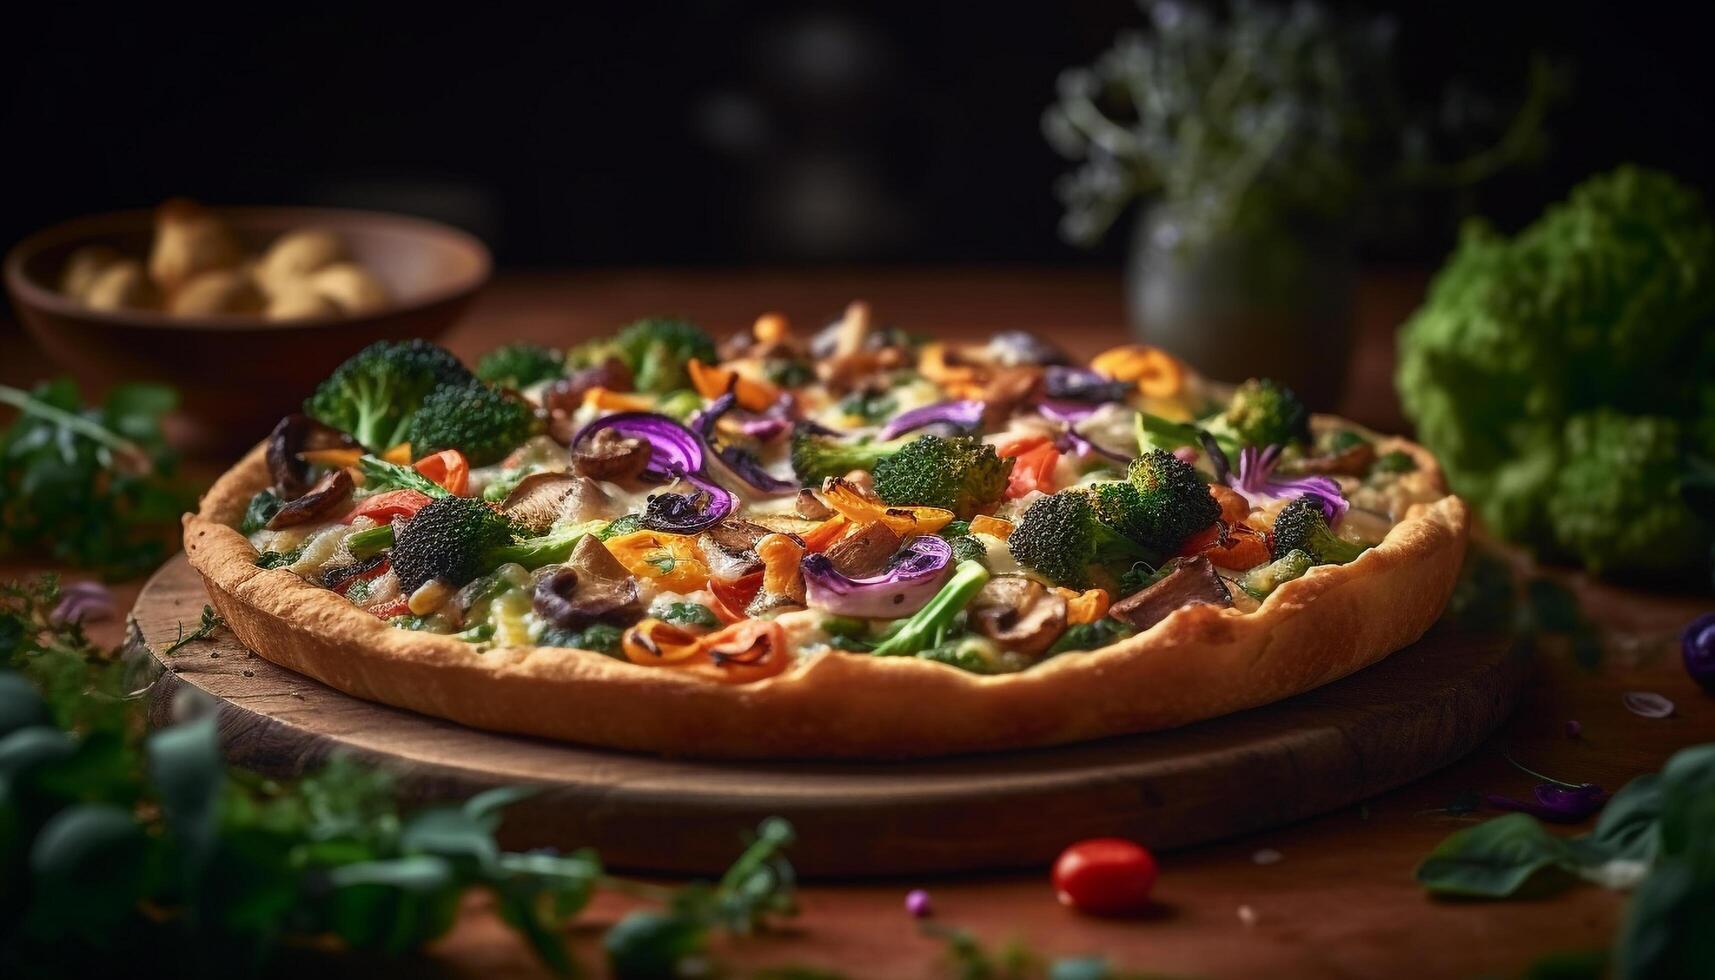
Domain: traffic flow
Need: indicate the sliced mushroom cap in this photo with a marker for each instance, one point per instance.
(810, 507)
(866, 552)
(591, 587)
(1189, 581)
(541, 500)
(610, 456)
(1019, 614)
(325, 500)
(1006, 390)
(294, 434)
(729, 548)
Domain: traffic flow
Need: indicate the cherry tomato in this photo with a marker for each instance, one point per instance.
(1104, 876)
(384, 507)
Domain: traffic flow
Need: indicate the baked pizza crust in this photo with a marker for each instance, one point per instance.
(1200, 662)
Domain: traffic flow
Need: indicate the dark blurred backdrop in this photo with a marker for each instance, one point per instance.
(716, 131)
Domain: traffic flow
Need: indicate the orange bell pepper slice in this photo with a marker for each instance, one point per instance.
(851, 503)
(771, 328)
(673, 560)
(658, 643)
(823, 535)
(608, 400)
(448, 468)
(781, 556)
(1158, 374)
(733, 595)
(1231, 546)
(1234, 507)
(1084, 607)
(992, 526)
(743, 652)
(712, 381)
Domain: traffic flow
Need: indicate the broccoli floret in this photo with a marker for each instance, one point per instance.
(1264, 413)
(961, 474)
(600, 637)
(259, 512)
(657, 350)
(1617, 503)
(968, 548)
(977, 654)
(449, 539)
(480, 421)
(373, 395)
(929, 626)
(680, 405)
(817, 455)
(1604, 301)
(1301, 526)
(1173, 502)
(1061, 538)
(1262, 580)
(551, 548)
(1091, 636)
(521, 365)
(869, 407)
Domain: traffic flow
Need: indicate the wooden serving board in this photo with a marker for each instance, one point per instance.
(1417, 710)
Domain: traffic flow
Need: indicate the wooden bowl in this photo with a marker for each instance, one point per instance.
(237, 375)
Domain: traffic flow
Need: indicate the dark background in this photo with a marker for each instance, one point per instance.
(715, 131)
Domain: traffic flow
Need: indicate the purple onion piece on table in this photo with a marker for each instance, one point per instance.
(1556, 802)
(1647, 704)
(1697, 644)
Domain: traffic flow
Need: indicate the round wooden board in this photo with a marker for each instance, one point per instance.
(1417, 710)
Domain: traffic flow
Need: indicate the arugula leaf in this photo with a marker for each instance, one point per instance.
(380, 475)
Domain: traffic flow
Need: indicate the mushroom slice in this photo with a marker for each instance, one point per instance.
(325, 500)
(1019, 614)
(298, 433)
(610, 456)
(541, 500)
(1353, 461)
(591, 587)
(1189, 581)
(810, 507)
(729, 548)
(865, 553)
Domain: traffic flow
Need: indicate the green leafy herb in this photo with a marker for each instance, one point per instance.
(260, 511)
(112, 840)
(380, 475)
(278, 559)
(88, 486)
(1397, 461)
(600, 637)
(210, 622)
(621, 525)
(872, 407)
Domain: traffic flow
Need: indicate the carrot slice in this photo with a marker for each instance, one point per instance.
(448, 468)
(713, 381)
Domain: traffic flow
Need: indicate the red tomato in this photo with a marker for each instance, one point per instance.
(381, 568)
(1104, 876)
(449, 468)
(384, 507)
(733, 595)
(1033, 470)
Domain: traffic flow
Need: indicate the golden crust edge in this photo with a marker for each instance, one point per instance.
(1198, 663)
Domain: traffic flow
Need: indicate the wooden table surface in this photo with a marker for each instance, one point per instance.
(1339, 902)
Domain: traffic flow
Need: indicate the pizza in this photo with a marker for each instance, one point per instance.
(852, 543)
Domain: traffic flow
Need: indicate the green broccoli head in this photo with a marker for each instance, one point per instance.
(1301, 526)
(1091, 636)
(1264, 413)
(447, 540)
(1062, 539)
(1173, 502)
(1618, 503)
(374, 393)
(957, 473)
(657, 350)
(480, 421)
(1603, 302)
(521, 365)
(1260, 582)
(817, 455)
(483, 422)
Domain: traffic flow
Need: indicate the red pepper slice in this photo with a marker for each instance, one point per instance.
(1033, 469)
(384, 507)
(399, 607)
(449, 468)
